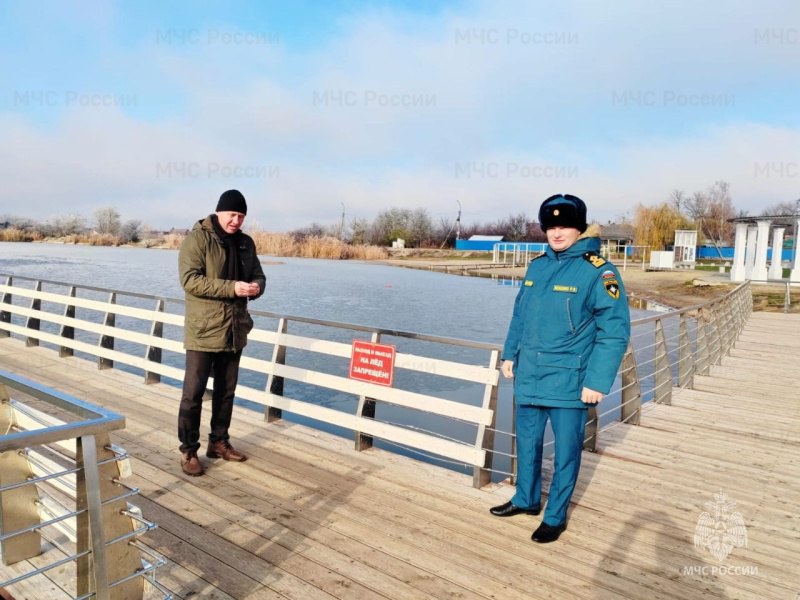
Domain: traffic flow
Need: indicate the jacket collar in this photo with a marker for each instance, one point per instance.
(583, 245)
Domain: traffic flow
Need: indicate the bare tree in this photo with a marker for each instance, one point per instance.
(314, 230)
(66, 225)
(107, 220)
(720, 211)
(420, 227)
(781, 208)
(358, 229)
(131, 232)
(785, 209)
(678, 198)
(445, 231)
(695, 206)
(710, 209)
(517, 227)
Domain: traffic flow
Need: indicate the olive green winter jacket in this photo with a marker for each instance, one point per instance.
(216, 319)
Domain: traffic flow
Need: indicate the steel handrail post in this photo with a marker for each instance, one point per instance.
(685, 361)
(663, 370)
(94, 505)
(631, 394)
(703, 358)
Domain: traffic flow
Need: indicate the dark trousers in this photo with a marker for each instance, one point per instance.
(199, 365)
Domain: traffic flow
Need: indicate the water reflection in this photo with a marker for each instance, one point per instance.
(642, 304)
(648, 305)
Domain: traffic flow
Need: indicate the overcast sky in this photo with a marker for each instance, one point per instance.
(155, 108)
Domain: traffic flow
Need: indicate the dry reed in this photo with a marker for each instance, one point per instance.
(173, 240)
(283, 244)
(12, 234)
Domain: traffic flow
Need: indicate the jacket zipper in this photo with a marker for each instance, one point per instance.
(569, 318)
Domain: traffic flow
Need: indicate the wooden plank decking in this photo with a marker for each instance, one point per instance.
(308, 517)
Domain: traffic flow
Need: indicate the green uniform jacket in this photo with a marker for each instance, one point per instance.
(216, 319)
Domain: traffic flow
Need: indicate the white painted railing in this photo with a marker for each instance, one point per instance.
(73, 324)
(304, 371)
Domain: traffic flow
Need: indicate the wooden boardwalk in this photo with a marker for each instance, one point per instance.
(309, 518)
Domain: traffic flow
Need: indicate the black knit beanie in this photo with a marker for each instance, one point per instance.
(232, 201)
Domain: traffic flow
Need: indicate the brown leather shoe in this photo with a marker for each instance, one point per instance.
(223, 449)
(5, 594)
(191, 464)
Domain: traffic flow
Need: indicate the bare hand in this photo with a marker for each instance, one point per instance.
(508, 369)
(590, 396)
(245, 289)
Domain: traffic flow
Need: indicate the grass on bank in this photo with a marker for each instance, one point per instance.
(12, 234)
(283, 244)
(271, 244)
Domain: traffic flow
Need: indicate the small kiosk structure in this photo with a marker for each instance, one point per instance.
(685, 249)
(682, 256)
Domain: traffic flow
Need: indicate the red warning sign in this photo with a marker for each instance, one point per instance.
(372, 362)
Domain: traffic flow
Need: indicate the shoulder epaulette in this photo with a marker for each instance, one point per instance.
(594, 258)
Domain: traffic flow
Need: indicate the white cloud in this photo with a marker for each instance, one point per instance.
(497, 106)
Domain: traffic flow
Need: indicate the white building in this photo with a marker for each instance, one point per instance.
(751, 246)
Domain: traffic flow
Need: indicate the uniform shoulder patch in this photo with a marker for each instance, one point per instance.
(612, 288)
(595, 259)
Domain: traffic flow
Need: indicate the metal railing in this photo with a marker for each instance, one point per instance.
(295, 365)
(665, 352)
(292, 364)
(60, 484)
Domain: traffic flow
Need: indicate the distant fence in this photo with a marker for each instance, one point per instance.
(444, 399)
(510, 254)
(516, 253)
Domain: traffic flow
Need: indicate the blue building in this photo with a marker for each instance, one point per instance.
(483, 243)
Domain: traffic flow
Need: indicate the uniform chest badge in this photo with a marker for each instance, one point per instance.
(612, 287)
(528, 283)
(565, 288)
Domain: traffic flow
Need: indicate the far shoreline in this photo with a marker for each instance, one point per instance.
(675, 289)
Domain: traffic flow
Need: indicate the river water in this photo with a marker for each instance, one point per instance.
(353, 292)
(348, 291)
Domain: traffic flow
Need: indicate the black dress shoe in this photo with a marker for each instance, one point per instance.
(509, 510)
(548, 533)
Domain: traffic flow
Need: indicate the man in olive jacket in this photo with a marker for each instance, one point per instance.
(219, 271)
